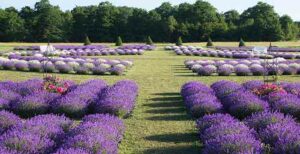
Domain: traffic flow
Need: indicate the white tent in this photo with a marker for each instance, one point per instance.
(47, 48)
(260, 50)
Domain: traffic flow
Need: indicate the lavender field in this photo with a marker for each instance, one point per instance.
(160, 121)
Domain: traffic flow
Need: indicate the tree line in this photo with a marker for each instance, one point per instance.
(105, 22)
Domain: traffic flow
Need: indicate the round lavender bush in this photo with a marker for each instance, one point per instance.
(8, 120)
(106, 119)
(71, 151)
(4, 104)
(225, 70)
(242, 70)
(26, 142)
(201, 104)
(32, 105)
(257, 70)
(209, 120)
(230, 144)
(288, 105)
(207, 70)
(260, 121)
(34, 66)
(22, 65)
(223, 129)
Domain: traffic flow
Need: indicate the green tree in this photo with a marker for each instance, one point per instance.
(11, 26)
(242, 43)
(48, 22)
(87, 41)
(119, 41)
(209, 43)
(289, 28)
(261, 23)
(179, 41)
(149, 41)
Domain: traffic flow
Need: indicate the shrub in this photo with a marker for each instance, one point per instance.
(242, 70)
(71, 151)
(242, 43)
(8, 65)
(119, 41)
(209, 42)
(149, 41)
(288, 105)
(21, 66)
(87, 41)
(82, 70)
(4, 104)
(99, 70)
(209, 120)
(230, 144)
(117, 70)
(8, 120)
(223, 129)
(257, 70)
(225, 70)
(33, 105)
(48, 67)
(207, 70)
(260, 121)
(34, 65)
(63, 67)
(179, 41)
(118, 99)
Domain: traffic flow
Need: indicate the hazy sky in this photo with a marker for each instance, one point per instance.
(290, 7)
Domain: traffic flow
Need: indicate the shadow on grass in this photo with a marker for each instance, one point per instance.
(172, 117)
(167, 94)
(167, 99)
(187, 75)
(166, 110)
(165, 104)
(174, 150)
(174, 137)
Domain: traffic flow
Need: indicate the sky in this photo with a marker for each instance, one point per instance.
(289, 7)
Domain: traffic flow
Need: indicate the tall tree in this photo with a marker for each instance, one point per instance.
(289, 28)
(261, 23)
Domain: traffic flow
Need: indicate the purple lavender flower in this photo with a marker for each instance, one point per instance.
(251, 85)
(230, 144)
(209, 120)
(288, 105)
(106, 119)
(76, 102)
(26, 142)
(118, 99)
(260, 121)
(4, 104)
(223, 129)
(31, 105)
(72, 151)
(207, 70)
(8, 120)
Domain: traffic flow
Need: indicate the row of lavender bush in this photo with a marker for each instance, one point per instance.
(248, 67)
(53, 134)
(221, 133)
(238, 54)
(87, 51)
(80, 52)
(29, 98)
(66, 65)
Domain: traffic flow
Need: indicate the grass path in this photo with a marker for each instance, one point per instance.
(159, 123)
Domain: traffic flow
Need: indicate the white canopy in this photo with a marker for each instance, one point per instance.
(47, 48)
(260, 50)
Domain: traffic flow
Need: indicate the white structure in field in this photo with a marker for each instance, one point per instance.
(260, 50)
(47, 48)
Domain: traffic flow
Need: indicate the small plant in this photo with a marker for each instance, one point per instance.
(87, 41)
(179, 41)
(209, 42)
(55, 85)
(267, 89)
(242, 43)
(119, 41)
(149, 41)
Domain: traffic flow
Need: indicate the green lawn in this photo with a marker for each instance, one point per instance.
(159, 123)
